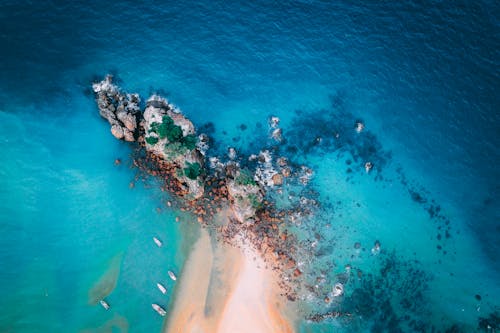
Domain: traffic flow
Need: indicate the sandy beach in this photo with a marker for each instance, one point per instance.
(254, 304)
(227, 289)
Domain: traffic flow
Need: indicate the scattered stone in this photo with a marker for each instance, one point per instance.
(231, 153)
(277, 134)
(359, 127)
(338, 290)
(376, 248)
(368, 166)
(328, 315)
(274, 122)
(277, 179)
(282, 161)
(119, 109)
(286, 172)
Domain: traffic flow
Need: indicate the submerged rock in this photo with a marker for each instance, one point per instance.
(338, 290)
(265, 170)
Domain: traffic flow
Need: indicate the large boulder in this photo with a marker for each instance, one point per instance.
(119, 109)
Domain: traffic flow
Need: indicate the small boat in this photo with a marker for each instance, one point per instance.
(159, 309)
(157, 241)
(162, 288)
(172, 275)
(104, 304)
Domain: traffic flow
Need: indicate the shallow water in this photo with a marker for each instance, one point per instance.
(422, 76)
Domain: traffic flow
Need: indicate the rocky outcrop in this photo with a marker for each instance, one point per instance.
(172, 139)
(266, 174)
(169, 148)
(119, 109)
(166, 133)
(171, 136)
(245, 195)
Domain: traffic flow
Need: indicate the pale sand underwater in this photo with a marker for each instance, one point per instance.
(227, 289)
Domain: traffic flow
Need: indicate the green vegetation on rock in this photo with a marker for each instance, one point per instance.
(189, 141)
(175, 149)
(255, 201)
(167, 129)
(245, 177)
(174, 133)
(177, 143)
(192, 170)
(151, 140)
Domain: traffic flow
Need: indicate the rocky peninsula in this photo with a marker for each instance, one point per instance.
(231, 196)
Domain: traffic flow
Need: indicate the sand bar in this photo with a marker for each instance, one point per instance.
(227, 289)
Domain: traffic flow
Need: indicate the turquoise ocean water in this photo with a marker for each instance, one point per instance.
(422, 76)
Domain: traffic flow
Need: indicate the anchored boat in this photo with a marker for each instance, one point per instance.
(172, 275)
(159, 309)
(104, 304)
(158, 242)
(162, 288)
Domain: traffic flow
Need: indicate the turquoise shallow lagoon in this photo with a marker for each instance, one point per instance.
(74, 232)
(423, 77)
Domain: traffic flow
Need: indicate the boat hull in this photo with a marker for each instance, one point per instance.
(162, 288)
(159, 309)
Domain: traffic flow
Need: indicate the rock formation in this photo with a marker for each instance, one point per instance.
(166, 133)
(119, 109)
(171, 136)
(169, 148)
(245, 195)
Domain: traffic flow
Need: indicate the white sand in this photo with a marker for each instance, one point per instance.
(254, 305)
(226, 291)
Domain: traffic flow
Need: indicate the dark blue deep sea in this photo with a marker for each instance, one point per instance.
(423, 76)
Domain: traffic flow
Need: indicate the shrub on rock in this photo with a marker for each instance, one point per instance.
(192, 170)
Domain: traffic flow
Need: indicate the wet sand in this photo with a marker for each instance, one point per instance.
(227, 289)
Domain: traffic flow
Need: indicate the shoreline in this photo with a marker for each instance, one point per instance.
(224, 288)
(255, 304)
(244, 267)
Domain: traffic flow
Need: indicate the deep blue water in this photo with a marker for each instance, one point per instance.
(423, 76)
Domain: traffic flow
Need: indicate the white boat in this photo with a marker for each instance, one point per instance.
(158, 242)
(159, 309)
(172, 275)
(104, 304)
(162, 288)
